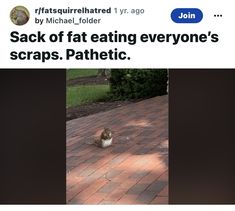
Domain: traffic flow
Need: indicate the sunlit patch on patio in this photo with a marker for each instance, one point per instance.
(132, 171)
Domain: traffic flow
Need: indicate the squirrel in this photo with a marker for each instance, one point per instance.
(20, 17)
(105, 135)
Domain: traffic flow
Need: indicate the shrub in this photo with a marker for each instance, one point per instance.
(137, 83)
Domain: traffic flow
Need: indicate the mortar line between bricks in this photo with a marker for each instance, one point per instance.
(146, 186)
(85, 189)
(158, 197)
(80, 162)
(130, 155)
(93, 183)
(135, 182)
(91, 174)
(138, 182)
(153, 171)
(118, 154)
(162, 174)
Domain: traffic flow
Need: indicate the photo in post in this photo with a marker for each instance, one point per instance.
(117, 136)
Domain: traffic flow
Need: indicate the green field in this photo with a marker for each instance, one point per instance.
(81, 94)
(76, 73)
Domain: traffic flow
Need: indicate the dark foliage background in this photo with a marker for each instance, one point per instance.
(137, 83)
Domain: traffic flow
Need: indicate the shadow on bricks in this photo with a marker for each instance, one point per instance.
(134, 170)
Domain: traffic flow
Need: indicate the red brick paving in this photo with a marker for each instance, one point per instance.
(134, 170)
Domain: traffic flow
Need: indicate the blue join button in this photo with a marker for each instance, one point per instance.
(186, 15)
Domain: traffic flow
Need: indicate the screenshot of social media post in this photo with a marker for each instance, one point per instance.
(117, 103)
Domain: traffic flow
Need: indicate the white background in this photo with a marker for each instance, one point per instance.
(156, 19)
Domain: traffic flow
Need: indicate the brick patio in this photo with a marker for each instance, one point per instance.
(134, 170)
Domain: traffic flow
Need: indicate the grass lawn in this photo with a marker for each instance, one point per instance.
(76, 73)
(78, 95)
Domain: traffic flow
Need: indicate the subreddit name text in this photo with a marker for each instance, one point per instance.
(68, 10)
